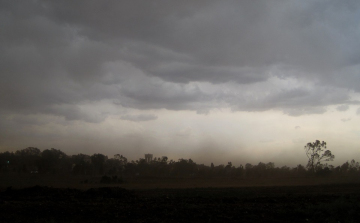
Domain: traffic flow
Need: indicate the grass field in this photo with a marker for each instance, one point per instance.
(85, 182)
(69, 199)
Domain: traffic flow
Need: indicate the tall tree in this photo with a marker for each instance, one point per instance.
(317, 153)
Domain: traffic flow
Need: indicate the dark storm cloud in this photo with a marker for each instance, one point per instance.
(156, 94)
(139, 118)
(57, 55)
(238, 34)
(293, 102)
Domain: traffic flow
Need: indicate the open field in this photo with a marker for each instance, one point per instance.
(179, 200)
(327, 203)
(85, 182)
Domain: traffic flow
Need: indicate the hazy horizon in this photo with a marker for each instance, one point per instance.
(214, 81)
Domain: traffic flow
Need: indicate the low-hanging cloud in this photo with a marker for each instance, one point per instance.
(342, 107)
(139, 118)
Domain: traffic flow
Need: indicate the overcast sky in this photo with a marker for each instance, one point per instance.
(215, 81)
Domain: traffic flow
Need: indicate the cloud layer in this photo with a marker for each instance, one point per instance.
(64, 58)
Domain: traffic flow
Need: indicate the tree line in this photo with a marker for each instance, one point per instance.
(54, 161)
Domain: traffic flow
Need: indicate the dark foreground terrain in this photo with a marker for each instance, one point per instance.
(326, 203)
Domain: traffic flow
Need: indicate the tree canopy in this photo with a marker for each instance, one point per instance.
(317, 153)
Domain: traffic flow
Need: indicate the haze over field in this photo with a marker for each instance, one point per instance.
(215, 81)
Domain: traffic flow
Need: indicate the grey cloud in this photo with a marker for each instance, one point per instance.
(297, 127)
(139, 118)
(155, 93)
(305, 110)
(242, 33)
(293, 102)
(227, 35)
(320, 96)
(185, 73)
(353, 102)
(347, 77)
(24, 120)
(342, 107)
(203, 111)
(57, 55)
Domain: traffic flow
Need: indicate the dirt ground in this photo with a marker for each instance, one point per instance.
(306, 203)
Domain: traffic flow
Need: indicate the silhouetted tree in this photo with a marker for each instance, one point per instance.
(53, 160)
(240, 171)
(249, 169)
(164, 159)
(81, 164)
(184, 167)
(56, 161)
(98, 161)
(143, 167)
(29, 151)
(354, 166)
(27, 159)
(121, 158)
(316, 153)
(300, 170)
